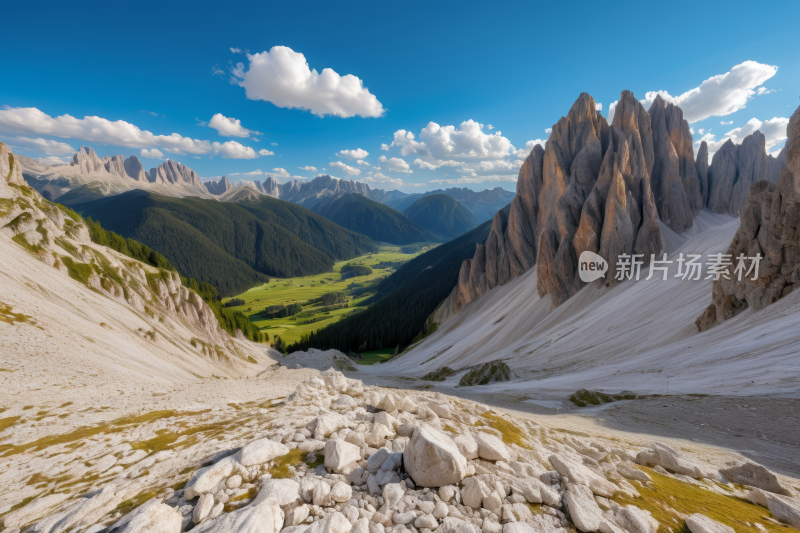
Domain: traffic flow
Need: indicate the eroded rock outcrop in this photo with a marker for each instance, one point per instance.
(134, 169)
(588, 190)
(219, 186)
(87, 161)
(173, 172)
(674, 181)
(770, 228)
(734, 168)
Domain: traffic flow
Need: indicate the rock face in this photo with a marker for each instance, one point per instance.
(588, 190)
(218, 187)
(433, 459)
(735, 168)
(87, 161)
(173, 172)
(770, 227)
(702, 170)
(115, 165)
(675, 182)
(134, 169)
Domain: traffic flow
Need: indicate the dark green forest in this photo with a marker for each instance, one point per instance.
(377, 221)
(442, 215)
(231, 246)
(403, 301)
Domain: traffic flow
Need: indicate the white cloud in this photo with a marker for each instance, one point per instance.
(236, 50)
(274, 144)
(447, 142)
(522, 153)
(490, 127)
(155, 153)
(54, 160)
(308, 168)
(283, 77)
(395, 164)
(358, 153)
(700, 131)
(598, 107)
(264, 151)
(275, 173)
(384, 147)
(774, 131)
(118, 133)
(719, 95)
(548, 130)
(764, 90)
(48, 146)
(230, 127)
(723, 123)
(362, 163)
(352, 171)
(382, 179)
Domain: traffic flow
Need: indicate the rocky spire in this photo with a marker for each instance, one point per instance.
(134, 169)
(674, 180)
(115, 165)
(734, 168)
(702, 170)
(86, 160)
(769, 227)
(218, 187)
(173, 172)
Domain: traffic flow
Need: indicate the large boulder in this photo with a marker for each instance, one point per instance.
(261, 451)
(698, 523)
(432, 459)
(207, 478)
(578, 473)
(674, 461)
(151, 517)
(341, 457)
(754, 475)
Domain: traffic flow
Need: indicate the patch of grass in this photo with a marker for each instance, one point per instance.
(252, 359)
(490, 372)
(280, 468)
(10, 317)
(6, 423)
(78, 271)
(132, 503)
(668, 499)
(511, 434)
(450, 429)
(439, 375)
(584, 397)
(20, 239)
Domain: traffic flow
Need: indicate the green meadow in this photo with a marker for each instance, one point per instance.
(301, 290)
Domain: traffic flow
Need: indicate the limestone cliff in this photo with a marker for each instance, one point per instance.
(173, 172)
(770, 227)
(220, 186)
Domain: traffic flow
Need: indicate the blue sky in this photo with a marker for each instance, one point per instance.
(516, 67)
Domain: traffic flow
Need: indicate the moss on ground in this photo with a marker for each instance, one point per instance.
(490, 372)
(439, 375)
(78, 271)
(10, 317)
(510, 432)
(668, 499)
(584, 397)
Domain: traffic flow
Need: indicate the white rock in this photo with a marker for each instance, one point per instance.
(296, 515)
(634, 519)
(537, 492)
(492, 448)
(426, 521)
(440, 510)
(474, 491)
(392, 494)
(674, 461)
(447, 492)
(698, 523)
(311, 445)
(351, 513)
(518, 527)
(386, 419)
(341, 457)
(467, 445)
(580, 474)
(455, 525)
(204, 505)
(441, 409)
(265, 518)
(341, 492)
(261, 451)
(360, 526)
(321, 494)
(432, 459)
(584, 511)
(327, 424)
(278, 492)
(335, 381)
(234, 482)
(206, 478)
(344, 402)
(151, 517)
(403, 518)
(377, 435)
(334, 522)
(633, 473)
(784, 508)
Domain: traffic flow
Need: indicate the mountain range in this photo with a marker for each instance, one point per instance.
(441, 214)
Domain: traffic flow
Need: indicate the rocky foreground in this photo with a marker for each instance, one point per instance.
(336, 457)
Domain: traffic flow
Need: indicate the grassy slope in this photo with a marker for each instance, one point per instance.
(442, 215)
(405, 300)
(377, 221)
(225, 244)
(302, 289)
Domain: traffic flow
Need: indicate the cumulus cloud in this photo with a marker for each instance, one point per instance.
(548, 130)
(117, 133)
(275, 173)
(468, 141)
(358, 153)
(308, 168)
(774, 131)
(362, 163)
(490, 127)
(719, 95)
(382, 179)
(264, 151)
(598, 107)
(395, 164)
(282, 76)
(155, 153)
(236, 50)
(54, 160)
(352, 171)
(274, 144)
(230, 127)
(48, 146)
(522, 153)
(723, 123)
(384, 147)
